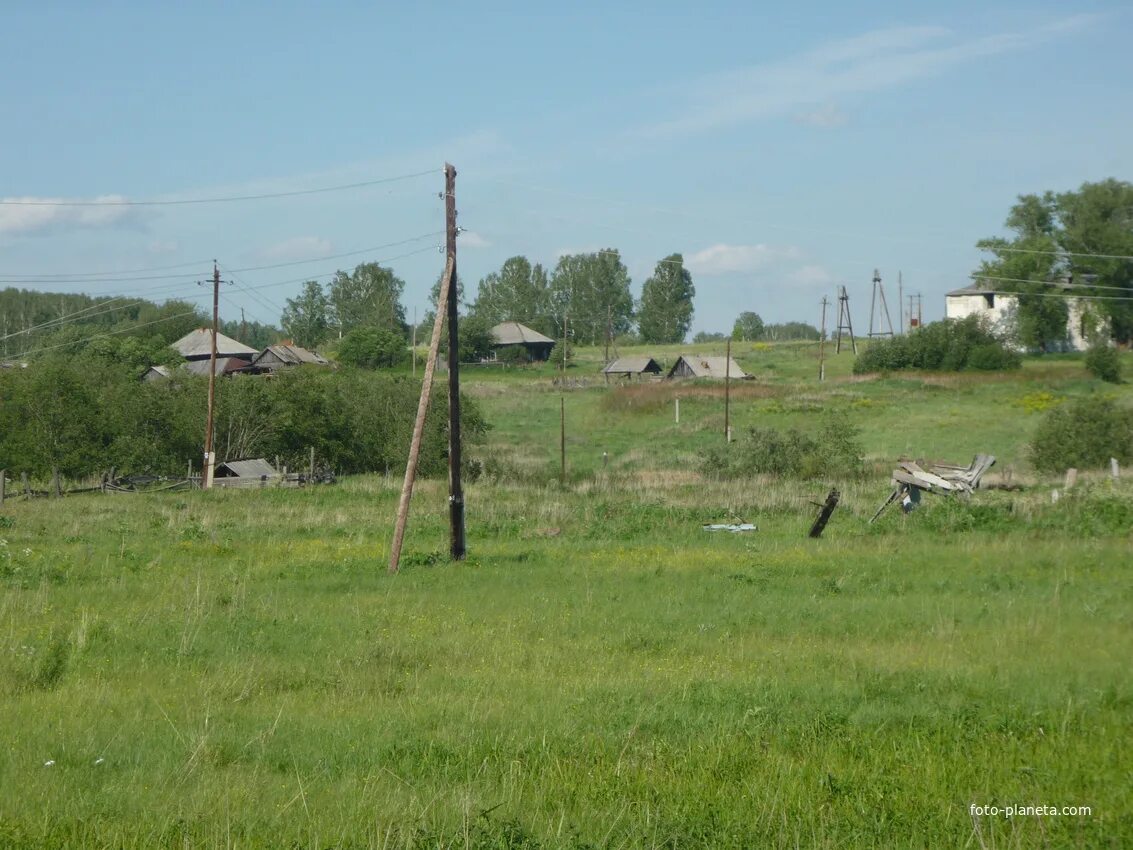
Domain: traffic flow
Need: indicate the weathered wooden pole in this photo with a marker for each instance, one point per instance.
(210, 455)
(25, 484)
(419, 423)
(311, 467)
(56, 487)
(2, 482)
(727, 388)
(455, 489)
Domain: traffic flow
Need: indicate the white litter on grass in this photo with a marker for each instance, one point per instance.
(735, 529)
(49, 763)
(99, 760)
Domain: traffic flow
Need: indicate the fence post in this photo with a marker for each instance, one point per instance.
(311, 465)
(24, 483)
(2, 471)
(1114, 469)
(56, 487)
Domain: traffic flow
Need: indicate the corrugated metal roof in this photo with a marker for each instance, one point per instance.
(224, 365)
(709, 367)
(513, 333)
(293, 355)
(253, 468)
(632, 366)
(198, 343)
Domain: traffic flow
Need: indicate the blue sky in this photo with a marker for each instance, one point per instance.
(783, 151)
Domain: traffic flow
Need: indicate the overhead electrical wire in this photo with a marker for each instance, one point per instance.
(216, 200)
(1057, 283)
(105, 334)
(185, 276)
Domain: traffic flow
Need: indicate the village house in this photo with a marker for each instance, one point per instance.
(514, 335)
(999, 309)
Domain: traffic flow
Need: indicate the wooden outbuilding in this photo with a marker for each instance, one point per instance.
(633, 367)
(697, 366)
(284, 355)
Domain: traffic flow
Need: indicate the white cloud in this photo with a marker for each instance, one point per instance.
(825, 117)
(469, 239)
(725, 259)
(874, 61)
(32, 216)
(297, 248)
(164, 246)
(810, 277)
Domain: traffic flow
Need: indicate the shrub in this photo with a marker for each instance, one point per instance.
(1085, 434)
(1103, 362)
(835, 451)
(372, 348)
(949, 346)
(513, 355)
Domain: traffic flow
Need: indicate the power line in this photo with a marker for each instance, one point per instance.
(98, 274)
(114, 202)
(107, 333)
(1065, 295)
(186, 276)
(76, 316)
(1059, 284)
(1060, 253)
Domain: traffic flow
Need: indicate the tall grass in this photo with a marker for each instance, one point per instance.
(236, 669)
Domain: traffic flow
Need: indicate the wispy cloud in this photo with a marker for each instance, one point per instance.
(728, 259)
(825, 117)
(874, 61)
(37, 216)
(810, 277)
(470, 239)
(297, 248)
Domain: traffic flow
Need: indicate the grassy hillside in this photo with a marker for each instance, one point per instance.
(237, 668)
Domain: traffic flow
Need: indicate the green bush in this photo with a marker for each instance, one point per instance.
(83, 418)
(835, 451)
(372, 348)
(952, 345)
(1083, 434)
(1103, 362)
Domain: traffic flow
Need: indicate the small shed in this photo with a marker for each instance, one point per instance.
(628, 366)
(513, 334)
(197, 345)
(286, 354)
(253, 468)
(156, 373)
(696, 366)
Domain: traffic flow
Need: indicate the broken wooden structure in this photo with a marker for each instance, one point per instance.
(910, 480)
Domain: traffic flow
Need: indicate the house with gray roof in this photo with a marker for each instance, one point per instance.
(513, 335)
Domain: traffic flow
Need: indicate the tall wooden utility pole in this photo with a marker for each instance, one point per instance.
(562, 406)
(879, 291)
(456, 492)
(727, 389)
(844, 323)
(243, 326)
(822, 343)
(210, 460)
(901, 301)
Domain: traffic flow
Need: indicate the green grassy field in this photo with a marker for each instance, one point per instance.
(236, 669)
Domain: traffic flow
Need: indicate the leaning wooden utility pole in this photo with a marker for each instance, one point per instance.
(455, 491)
(419, 422)
(210, 460)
